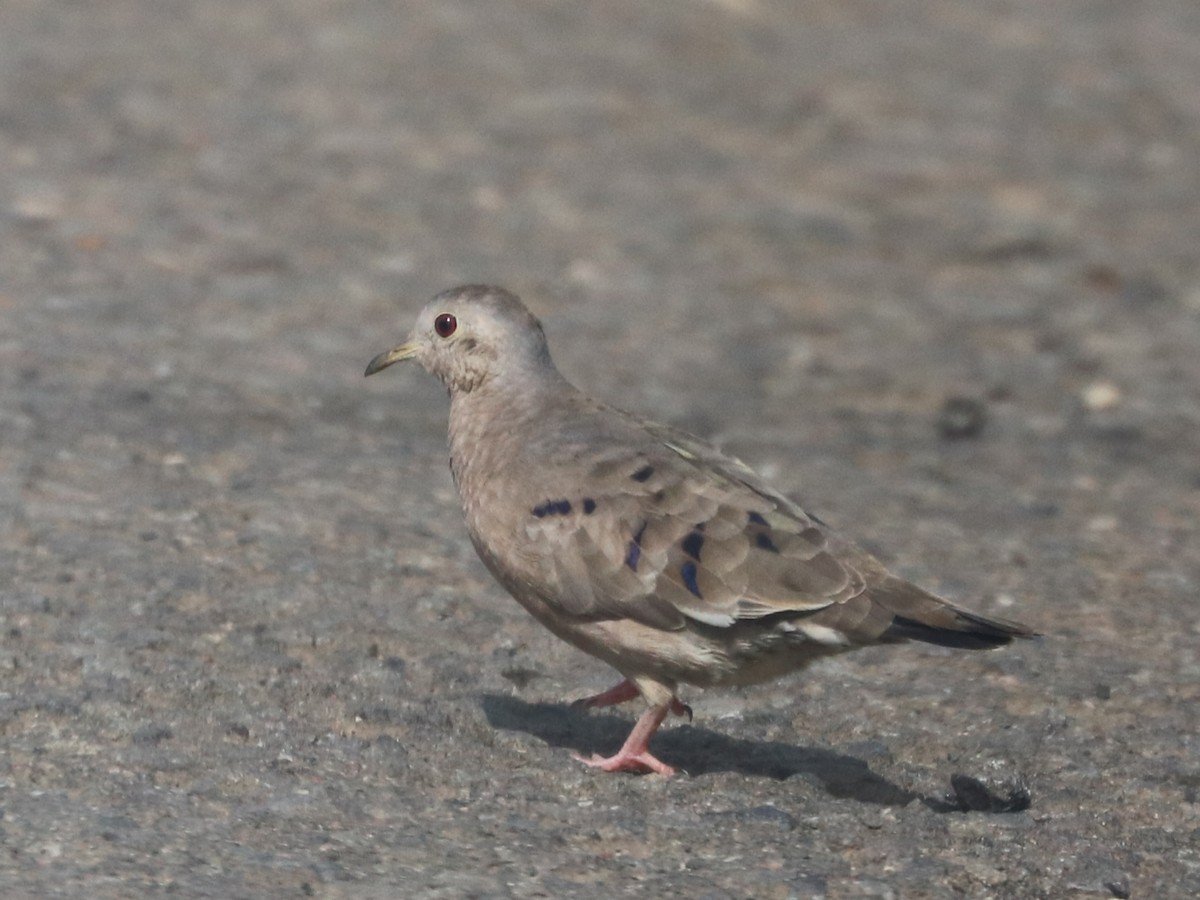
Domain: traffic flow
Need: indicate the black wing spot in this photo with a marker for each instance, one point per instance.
(688, 571)
(634, 554)
(757, 519)
(589, 506)
(763, 542)
(643, 473)
(692, 544)
(552, 508)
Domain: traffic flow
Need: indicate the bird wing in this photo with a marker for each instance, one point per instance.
(671, 529)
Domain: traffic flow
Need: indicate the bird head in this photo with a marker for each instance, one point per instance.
(468, 336)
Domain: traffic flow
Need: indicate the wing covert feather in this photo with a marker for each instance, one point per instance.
(675, 529)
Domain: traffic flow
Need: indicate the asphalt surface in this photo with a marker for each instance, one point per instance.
(932, 267)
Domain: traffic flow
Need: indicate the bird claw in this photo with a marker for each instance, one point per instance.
(679, 708)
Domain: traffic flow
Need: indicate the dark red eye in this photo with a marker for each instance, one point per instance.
(445, 324)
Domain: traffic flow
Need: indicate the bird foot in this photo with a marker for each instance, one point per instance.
(625, 761)
(634, 755)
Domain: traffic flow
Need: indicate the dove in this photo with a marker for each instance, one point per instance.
(641, 544)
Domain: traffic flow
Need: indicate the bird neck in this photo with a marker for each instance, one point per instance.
(490, 424)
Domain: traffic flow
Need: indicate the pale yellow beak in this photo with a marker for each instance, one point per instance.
(395, 355)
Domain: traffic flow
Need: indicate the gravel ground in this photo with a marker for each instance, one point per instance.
(931, 266)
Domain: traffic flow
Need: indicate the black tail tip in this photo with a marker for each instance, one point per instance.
(969, 632)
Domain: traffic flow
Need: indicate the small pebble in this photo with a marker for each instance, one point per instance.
(961, 418)
(1100, 396)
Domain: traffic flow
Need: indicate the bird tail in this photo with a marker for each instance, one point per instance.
(920, 616)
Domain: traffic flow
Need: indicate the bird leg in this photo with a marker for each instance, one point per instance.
(635, 755)
(620, 693)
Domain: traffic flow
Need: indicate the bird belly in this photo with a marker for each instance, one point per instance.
(701, 656)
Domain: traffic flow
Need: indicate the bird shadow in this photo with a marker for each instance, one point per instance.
(699, 751)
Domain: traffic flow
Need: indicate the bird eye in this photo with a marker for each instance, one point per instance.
(445, 324)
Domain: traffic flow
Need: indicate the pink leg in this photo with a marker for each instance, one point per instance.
(635, 755)
(620, 693)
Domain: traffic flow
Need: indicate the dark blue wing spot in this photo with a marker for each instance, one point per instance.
(542, 510)
(688, 571)
(763, 542)
(634, 554)
(589, 506)
(757, 519)
(552, 508)
(692, 544)
(643, 473)
(562, 507)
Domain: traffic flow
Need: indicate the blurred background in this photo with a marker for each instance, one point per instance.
(930, 266)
